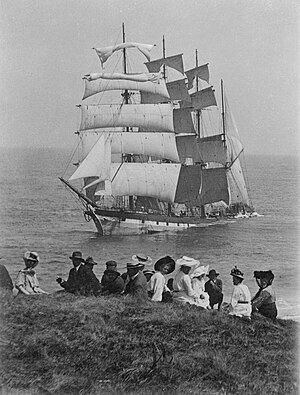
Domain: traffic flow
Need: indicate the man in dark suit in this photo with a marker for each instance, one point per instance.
(136, 283)
(214, 289)
(77, 279)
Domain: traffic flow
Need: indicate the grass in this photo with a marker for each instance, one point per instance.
(62, 344)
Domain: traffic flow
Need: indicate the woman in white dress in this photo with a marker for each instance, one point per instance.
(198, 282)
(27, 282)
(158, 290)
(240, 303)
(182, 284)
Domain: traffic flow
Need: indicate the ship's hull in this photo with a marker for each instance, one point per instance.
(120, 222)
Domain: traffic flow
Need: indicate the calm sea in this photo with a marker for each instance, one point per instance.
(38, 213)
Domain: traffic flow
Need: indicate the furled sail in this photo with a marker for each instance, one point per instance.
(201, 99)
(201, 72)
(97, 162)
(140, 77)
(105, 52)
(144, 179)
(175, 62)
(91, 87)
(147, 116)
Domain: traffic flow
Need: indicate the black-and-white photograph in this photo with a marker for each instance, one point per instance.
(149, 170)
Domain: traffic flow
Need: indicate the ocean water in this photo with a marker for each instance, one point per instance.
(37, 213)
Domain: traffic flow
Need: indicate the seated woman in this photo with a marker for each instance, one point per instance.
(264, 300)
(183, 290)
(240, 303)
(198, 283)
(158, 290)
(27, 282)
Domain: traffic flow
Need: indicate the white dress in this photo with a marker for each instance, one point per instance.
(198, 287)
(157, 286)
(183, 290)
(240, 303)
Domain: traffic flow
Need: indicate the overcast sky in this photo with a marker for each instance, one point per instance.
(252, 44)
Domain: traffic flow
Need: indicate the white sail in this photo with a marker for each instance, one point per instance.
(146, 116)
(201, 72)
(144, 179)
(105, 52)
(175, 62)
(93, 87)
(97, 162)
(159, 145)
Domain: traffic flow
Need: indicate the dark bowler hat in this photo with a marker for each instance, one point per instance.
(212, 272)
(163, 261)
(90, 261)
(77, 255)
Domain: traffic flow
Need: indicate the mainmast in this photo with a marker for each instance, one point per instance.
(197, 89)
(126, 96)
(223, 114)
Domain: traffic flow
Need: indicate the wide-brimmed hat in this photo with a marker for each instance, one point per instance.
(187, 261)
(134, 265)
(90, 261)
(199, 271)
(264, 275)
(235, 272)
(77, 255)
(212, 272)
(31, 256)
(140, 258)
(166, 260)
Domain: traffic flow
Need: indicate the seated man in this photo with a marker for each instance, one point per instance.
(136, 283)
(114, 283)
(92, 285)
(214, 289)
(76, 282)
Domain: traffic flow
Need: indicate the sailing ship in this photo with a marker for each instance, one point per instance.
(148, 163)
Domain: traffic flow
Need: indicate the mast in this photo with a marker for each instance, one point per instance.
(198, 112)
(165, 77)
(223, 113)
(126, 96)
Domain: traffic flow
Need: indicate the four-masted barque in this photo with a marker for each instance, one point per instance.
(149, 162)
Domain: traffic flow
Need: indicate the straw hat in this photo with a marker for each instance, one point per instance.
(31, 256)
(134, 265)
(199, 271)
(187, 261)
(143, 259)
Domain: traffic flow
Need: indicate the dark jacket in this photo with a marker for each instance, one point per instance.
(77, 280)
(91, 285)
(137, 287)
(116, 286)
(5, 280)
(214, 290)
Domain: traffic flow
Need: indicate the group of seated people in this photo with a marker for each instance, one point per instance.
(192, 283)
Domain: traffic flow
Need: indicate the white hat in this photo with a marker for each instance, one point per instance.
(200, 271)
(186, 261)
(143, 259)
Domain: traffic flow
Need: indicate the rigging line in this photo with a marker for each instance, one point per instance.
(232, 162)
(70, 158)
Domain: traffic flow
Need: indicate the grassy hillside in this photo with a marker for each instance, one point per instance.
(62, 344)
